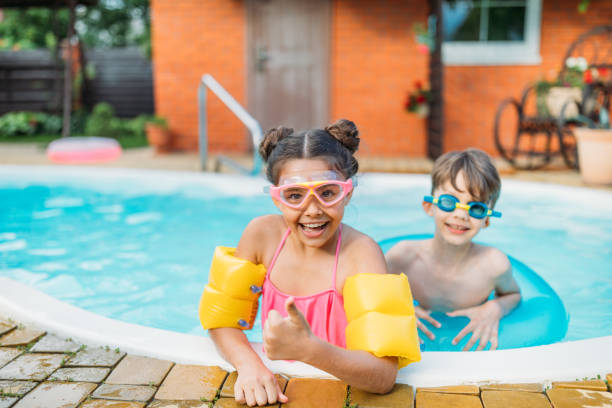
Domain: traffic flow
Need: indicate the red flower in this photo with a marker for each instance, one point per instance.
(588, 76)
(421, 98)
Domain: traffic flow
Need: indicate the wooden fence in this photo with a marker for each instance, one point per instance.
(30, 80)
(33, 81)
(123, 78)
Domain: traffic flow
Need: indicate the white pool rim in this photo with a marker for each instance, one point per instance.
(556, 362)
(542, 364)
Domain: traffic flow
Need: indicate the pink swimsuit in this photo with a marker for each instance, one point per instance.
(324, 311)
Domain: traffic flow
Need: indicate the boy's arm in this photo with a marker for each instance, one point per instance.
(484, 319)
(507, 291)
(398, 259)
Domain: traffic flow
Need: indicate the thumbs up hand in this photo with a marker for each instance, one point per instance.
(287, 338)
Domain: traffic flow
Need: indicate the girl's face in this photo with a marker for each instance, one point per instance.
(456, 227)
(313, 223)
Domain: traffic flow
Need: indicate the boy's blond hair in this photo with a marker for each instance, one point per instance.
(481, 177)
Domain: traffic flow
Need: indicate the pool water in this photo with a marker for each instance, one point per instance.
(137, 247)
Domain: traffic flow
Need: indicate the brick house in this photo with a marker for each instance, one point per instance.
(305, 63)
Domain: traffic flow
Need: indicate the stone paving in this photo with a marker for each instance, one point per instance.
(40, 370)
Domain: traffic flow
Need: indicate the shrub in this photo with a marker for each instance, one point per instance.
(15, 124)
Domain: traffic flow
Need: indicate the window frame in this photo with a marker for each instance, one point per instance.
(525, 52)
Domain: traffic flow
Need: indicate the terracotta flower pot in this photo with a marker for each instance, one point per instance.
(595, 155)
(158, 137)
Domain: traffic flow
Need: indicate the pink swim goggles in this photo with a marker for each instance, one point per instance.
(294, 195)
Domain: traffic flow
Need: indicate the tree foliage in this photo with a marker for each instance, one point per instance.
(111, 23)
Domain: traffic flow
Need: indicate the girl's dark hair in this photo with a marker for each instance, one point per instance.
(336, 144)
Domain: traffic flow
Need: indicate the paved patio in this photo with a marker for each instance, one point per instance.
(40, 370)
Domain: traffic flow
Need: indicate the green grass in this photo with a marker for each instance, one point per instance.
(126, 142)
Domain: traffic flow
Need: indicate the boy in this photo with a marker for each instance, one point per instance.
(449, 273)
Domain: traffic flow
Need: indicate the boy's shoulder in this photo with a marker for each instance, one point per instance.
(404, 253)
(494, 259)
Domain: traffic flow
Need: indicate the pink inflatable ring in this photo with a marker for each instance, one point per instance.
(83, 150)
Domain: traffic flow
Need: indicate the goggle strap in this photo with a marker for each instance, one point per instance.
(430, 199)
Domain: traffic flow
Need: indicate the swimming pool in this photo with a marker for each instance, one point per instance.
(136, 246)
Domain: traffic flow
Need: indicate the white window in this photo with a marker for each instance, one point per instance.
(491, 32)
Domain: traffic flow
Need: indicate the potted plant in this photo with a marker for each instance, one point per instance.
(418, 100)
(158, 134)
(551, 96)
(594, 143)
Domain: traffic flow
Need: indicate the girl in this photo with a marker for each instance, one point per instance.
(308, 254)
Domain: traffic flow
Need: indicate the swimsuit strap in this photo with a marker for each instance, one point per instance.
(278, 249)
(337, 254)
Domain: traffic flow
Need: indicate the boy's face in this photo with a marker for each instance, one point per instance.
(456, 227)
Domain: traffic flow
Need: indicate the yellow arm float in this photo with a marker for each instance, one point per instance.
(380, 315)
(231, 298)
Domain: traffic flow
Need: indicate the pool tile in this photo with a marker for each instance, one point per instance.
(81, 374)
(593, 385)
(452, 389)
(53, 344)
(137, 370)
(437, 400)
(140, 393)
(231, 403)
(401, 395)
(180, 404)
(514, 399)
(16, 387)
(31, 367)
(230, 381)
(525, 387)
(7, 354)
(6, 326)
(6, 402)
(315, 393)
(20, 337)
(97, 403)
(572, 398)
(56, 395)
(191, 382)
(96, 357)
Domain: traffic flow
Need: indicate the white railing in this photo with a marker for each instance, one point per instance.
(208, 82)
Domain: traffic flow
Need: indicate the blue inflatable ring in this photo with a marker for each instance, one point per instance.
(539, 319)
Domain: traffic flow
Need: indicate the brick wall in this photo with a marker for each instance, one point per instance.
(472, 94)
(374, 64)
(190, 38)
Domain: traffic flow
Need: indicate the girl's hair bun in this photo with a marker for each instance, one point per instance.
(271, 139)
(346, 133)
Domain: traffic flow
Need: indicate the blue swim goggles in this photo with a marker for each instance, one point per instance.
(448, 203)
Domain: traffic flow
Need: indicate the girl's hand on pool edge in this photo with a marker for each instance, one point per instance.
(256, 385)
(484, 325)
(287, 338)
(423, 314)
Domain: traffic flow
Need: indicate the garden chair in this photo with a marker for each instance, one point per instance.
(530, 132)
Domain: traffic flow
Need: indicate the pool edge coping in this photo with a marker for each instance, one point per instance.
(543, 364)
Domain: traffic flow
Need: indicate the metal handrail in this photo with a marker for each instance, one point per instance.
(208, 82)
